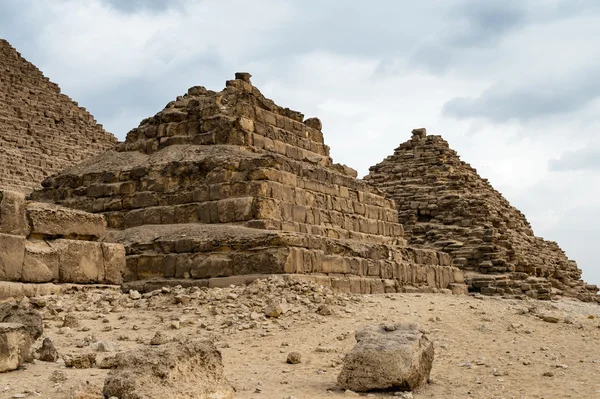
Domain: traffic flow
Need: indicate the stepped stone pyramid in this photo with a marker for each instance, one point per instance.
(41, 130)
(445, 205)
(220, 186)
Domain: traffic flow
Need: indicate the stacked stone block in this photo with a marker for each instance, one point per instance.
(445, 205)
(41, 130)
(223, 184)
(43, 243)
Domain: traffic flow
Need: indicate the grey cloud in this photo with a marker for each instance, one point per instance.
(469, 26)
(134, 6)
(584, 159)
(503, 102)
(482, 22)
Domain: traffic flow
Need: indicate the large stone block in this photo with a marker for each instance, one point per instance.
(397, 356)
(12, 252)
(41, 263)
(15, 345)
(12, 213)
(80, 261)
(114, 263)
(55, 221)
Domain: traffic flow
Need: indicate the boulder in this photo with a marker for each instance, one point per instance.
(15, 345)
(397, 356)
(12, 312)
(48, 353)
(192, 370)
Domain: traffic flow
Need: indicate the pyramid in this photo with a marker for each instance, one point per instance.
(41, 130)
(445, 205)
(222, 186)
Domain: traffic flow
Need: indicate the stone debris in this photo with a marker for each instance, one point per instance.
(160, 338)
(294, 358)
(48, 353)
(80, 361)
(43, 131)
(15, 344)
(58, 376)
(192, 369)
(396, 356)
(445, 205)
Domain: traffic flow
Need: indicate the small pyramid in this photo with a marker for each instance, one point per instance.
(444, 204)
(41, 130)
(229, 185)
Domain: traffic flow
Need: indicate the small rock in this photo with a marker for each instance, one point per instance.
(294, 358)
(70, 321)
(58, 376)
(273, 309)
(104, 346)
(549, 318)
(324, 310)
(80, 361)
(160, 338)
(182, 299)
(135, 295)
(548, 374)
(48, 353)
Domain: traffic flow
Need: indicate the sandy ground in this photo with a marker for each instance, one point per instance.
(484, 347)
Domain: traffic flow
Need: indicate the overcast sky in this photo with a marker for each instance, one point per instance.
(514, 86)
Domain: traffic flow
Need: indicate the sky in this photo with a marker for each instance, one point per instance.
(513, 86)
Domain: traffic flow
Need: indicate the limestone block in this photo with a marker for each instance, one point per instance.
(12, 213)
(55, 221)
(80, 261)
(15, 344)
(114, 263)
(41, 263)
(12, 252)
(397, 356)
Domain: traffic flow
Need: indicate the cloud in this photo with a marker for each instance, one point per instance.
(135, 6)
(585, 159)
(545, 98)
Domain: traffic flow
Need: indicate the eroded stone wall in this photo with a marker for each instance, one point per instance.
(445, 205)
(41, 130)
(44, 243)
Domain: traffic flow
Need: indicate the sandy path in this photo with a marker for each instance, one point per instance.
(485, 348)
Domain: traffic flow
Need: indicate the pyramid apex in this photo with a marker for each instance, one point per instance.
(419, 133)
(245, 76)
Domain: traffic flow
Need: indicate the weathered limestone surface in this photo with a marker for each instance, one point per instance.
(41, 130)
(15, 345)
(395, 356)
(41, 243)
(191, 370)
(222, 184)
(445, 205)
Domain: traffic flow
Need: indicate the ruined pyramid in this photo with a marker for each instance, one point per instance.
(221, 186)
(445, 205)
(41, 130)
